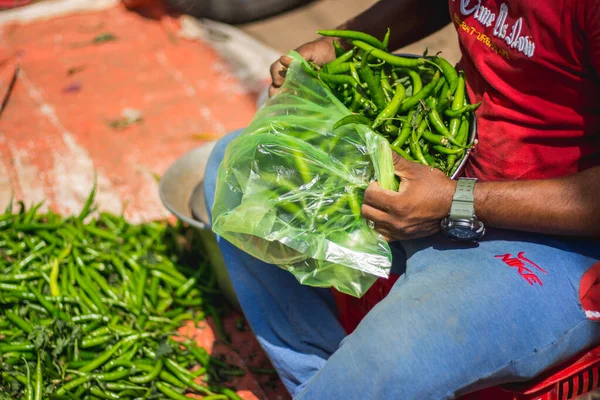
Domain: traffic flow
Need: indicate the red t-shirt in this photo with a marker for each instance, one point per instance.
(536, 67)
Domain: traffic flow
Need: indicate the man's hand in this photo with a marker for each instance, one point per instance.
(422, 201)
(319, 51)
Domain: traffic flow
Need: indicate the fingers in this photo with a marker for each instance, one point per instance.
(286, 61)
(379, 198)
(387, 234)
(378, 217)
(277, 73)
(401, 164)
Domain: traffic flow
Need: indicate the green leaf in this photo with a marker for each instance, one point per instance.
(164, 349)
(39, 337)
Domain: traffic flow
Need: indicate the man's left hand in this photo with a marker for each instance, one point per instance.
(415, 211)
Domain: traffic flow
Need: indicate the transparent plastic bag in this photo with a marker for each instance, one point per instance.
(289, 188)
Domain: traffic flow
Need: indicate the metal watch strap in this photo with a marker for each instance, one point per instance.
(463, 200)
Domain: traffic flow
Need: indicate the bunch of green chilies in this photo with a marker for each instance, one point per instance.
(90, 310)
(419, 104)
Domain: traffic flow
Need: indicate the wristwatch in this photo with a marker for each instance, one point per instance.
(462, 223)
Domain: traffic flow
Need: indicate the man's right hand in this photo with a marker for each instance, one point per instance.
(320, 51)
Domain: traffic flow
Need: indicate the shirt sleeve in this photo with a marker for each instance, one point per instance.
(592, 32)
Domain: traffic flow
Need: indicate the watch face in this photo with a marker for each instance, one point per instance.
(462, 233)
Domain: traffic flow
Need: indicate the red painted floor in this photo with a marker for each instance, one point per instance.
(61, 119)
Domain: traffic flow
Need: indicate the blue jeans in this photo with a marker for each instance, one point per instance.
(459, 319)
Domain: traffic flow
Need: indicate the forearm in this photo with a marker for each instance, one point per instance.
(563, 206)
(409, 20)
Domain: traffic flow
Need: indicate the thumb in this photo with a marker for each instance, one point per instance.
(400, 164)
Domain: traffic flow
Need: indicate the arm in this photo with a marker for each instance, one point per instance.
(566, 206)
(409, 21)
(562, 206)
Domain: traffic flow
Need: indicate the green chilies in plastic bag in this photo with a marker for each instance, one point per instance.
(289, 189)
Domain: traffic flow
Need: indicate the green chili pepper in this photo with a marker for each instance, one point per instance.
(461, 137)
(443, 91)
(438, 88)
(386, 39)
(354, 74)
(392, 108)
(388, 90)
(449, 73)
(463, 131)
(169, 392)
(19, 322)
(141, 285)
(438, 124)
(218, 323)
(373, 84)
(99, 393)
(39, 379)
(459, 96)
(347, 34)
(436, 139)
(88, 203)
(446, 150)
(339, 68)
(455, 166)
(184, 376)
(421, 129)
(37, 227)
(29, 392)
(401, 152)
(462, 110)
(339, 60)
(103, 358)
(186, 287)
(417, 83)
(411, 101)
(390, 129)
(123, 386)
(389, 58)
(72, 384)
(88, 289)
(407, 128)
(113, 376)
(415, 149)
(329, 78)
(46, 304)
(102, 233)
(95, 341)
(54, 288)
(164, 375)
(99, 279)
(151, 375)
(352, 119)
(339, 50)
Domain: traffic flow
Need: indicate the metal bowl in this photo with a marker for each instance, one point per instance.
(181, 190)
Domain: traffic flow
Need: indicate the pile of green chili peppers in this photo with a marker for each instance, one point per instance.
(419, 104)
(90, 307)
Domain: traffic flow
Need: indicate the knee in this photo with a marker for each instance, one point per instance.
(212, 168)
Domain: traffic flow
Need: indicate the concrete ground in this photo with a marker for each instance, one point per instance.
(291, 29)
